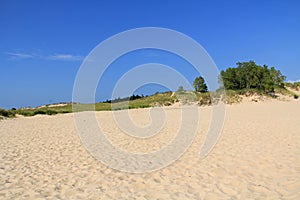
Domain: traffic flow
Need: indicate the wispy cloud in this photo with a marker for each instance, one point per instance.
(57, 56)
(66, 57)
(19, 55)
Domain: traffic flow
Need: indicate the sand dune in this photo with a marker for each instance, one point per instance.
(257, 157)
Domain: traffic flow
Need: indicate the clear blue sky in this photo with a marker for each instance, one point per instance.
(42, 43)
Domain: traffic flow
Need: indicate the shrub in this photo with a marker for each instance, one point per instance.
(64, 111)
(3, 113)
(6, 113)
(39, 112)
(296, 96)
(204, 99)
(51, 112)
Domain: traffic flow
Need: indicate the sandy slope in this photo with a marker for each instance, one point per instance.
(257, 157)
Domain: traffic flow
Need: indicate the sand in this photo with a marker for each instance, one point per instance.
(256, 157)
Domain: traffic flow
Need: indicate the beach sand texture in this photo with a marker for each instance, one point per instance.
(256, 157)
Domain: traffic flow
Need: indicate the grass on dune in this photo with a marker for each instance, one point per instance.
(158, 99)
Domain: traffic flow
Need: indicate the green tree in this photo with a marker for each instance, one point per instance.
(277, 77)
(267, 83)
(200, 85)
(248, 75)
(230, 79)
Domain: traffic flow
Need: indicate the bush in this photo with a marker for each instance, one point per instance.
(204, 99)
(39, 112)
(6, 113)
(51, 112)
(296, 96)
(64, 111)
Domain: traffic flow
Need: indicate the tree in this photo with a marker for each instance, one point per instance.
(200, 85)
(248, 75)
(267, 83)
(230, 79)
(277, 77)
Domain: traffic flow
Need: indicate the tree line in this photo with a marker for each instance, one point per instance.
(132, 97)
(247, 75)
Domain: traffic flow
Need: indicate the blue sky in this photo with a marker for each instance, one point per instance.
(43, 43)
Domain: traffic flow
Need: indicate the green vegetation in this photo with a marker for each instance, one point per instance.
(186, 97)
(200, 85)
(210, 98)
(158, 99)
(286, 92)
(248, 75)
(294, 86)
(247, 79)
(204, 99)
(6, 113)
